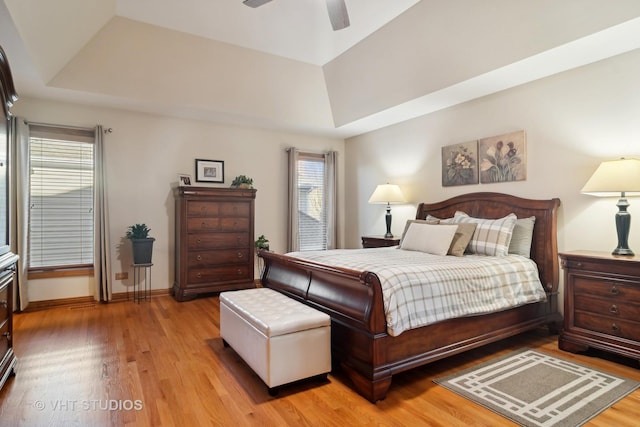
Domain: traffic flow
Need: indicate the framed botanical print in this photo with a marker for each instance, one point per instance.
(460, 164)
(503, 158)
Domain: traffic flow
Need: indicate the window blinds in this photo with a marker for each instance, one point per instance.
(311, 205)
(61, 197)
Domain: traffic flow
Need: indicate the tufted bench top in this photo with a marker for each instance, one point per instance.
(273, 313)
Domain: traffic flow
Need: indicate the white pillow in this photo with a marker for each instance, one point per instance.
(429, 238)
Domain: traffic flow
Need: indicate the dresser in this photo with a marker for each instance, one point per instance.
(214, 240)
(601, 303)
(7, 258)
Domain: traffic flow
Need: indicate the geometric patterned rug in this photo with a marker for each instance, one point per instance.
(535, 389)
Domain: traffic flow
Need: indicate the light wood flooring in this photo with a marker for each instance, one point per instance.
(162, 363)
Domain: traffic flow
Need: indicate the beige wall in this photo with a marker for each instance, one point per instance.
(144, 155)
(572, 121)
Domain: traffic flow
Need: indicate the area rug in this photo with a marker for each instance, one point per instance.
(534, 389)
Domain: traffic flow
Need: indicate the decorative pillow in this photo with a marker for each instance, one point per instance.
(418, 221)
(461, 239)
(491, 236)
(522, 237)
(441, 221)
(430, 238)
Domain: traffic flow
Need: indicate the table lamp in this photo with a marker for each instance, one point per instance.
(615, 177)
(387, 193)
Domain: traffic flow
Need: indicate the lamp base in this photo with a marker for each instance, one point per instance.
(623, 251)
(623, 223)
(387, 219)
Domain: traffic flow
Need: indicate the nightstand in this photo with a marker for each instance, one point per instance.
(379, 241)
(601, 303)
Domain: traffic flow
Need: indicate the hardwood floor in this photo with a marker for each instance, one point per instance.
(162, 363)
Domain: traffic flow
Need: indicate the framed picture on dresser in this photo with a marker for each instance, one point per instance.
(210, 171)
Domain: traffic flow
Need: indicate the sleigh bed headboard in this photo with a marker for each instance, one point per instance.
(544, 247)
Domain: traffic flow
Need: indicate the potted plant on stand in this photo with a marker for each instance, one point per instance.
(262, 243)
(141, 243)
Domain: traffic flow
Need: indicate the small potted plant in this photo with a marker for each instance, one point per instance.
(242, 181)
(262, 243)
(141, 243)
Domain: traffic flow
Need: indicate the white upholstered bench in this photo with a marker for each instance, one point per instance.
(281, 339)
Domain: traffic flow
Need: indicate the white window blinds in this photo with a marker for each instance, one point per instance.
(312, 218)
(61, 197)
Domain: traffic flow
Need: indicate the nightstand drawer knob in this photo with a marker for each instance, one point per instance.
(615, 328)
(199, 258)
(614, 291)
(613, 309)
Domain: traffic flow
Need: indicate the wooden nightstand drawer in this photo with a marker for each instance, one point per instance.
(606, 288)
(615, 308)
(606, 325)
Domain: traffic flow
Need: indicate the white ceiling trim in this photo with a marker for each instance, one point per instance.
(613, 41)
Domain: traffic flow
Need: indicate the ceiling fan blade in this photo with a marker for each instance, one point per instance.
(255, 3)
(338, 14)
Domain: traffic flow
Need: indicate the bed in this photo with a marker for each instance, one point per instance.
(360, 342)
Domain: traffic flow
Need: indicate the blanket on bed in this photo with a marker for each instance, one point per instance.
(420, 289)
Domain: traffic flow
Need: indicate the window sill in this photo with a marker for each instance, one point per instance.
(61, 272)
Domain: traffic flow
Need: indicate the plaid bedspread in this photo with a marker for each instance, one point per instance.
(420, 289)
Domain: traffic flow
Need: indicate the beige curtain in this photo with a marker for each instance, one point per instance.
(19, 215)
(293, 239)
(101, 241)
(331, 197)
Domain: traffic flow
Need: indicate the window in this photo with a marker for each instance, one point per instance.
(312, 213)
(61, 197)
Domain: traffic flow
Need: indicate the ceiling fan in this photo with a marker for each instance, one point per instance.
(337, 12)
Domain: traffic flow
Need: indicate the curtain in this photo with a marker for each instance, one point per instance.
(19, 215)
(101, 252)
(331, 198)
(293, 240)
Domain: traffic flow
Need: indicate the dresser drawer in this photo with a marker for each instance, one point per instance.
(199, 225)
(203, 259)
(203, 208)
(4, 303)
(606, 325)
(616, 308)
(219, 274)
(607, 288)
(218, 240)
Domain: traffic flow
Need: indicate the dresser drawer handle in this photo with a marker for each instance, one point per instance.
(198, 275)
(7, 335)
(198, 241)
(614, 290)
(199, 258)
(240, 255)
(239, 272)
(613, 309)
(203, 225)
(615, 328)
(4, 303)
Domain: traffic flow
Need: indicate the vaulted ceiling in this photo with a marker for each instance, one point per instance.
(281, 66)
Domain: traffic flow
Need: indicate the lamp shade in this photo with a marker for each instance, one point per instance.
(614, 177)
(387, 193)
